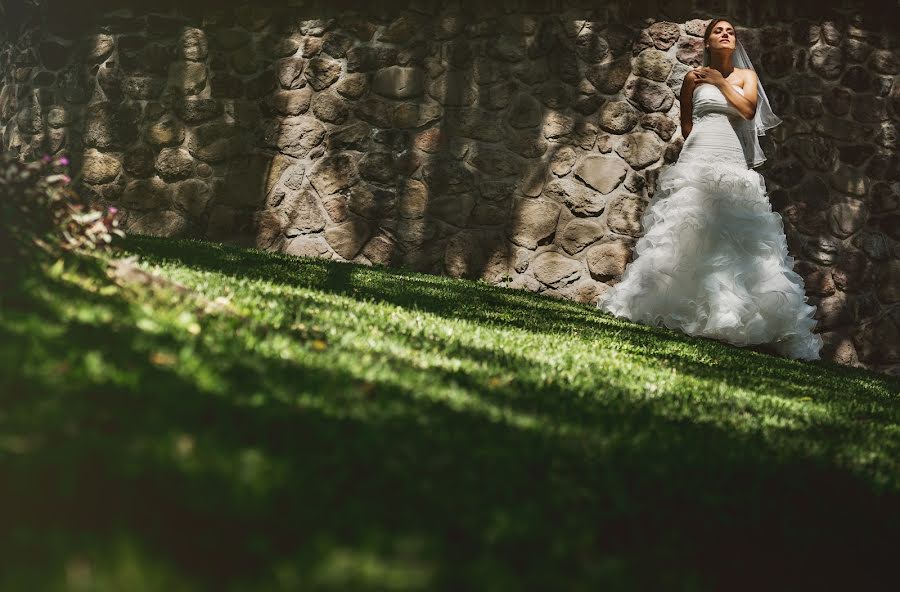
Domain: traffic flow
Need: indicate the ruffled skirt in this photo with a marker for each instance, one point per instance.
(713, 262)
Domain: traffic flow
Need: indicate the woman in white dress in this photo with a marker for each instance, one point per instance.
(713, 257)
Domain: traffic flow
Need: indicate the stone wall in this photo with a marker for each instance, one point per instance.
(517, 143)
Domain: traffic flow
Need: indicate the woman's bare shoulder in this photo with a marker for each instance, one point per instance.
(748, 75)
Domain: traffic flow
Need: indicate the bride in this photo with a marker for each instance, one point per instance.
(713, 257)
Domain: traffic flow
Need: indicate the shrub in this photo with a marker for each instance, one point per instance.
(40, 213)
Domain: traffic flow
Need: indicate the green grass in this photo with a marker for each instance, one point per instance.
(342, 427)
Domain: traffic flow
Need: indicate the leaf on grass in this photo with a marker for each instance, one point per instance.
(184, 445)
(497, 381)
(160, 358)
(220, 304)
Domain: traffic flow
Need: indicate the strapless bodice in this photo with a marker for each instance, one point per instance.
(708, 100)
(713, 137)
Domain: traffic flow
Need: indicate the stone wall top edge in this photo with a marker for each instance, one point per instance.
(877, 14)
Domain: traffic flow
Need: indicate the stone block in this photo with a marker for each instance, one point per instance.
(533, 222)
(398, 82)
(602, 172)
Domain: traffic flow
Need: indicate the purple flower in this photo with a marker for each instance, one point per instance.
(63, 161)
(46, 158)
(112, 210)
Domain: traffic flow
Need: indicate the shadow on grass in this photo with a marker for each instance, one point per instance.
(251, 473)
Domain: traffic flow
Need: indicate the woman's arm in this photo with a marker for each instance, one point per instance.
(687, 102)
(744, 103)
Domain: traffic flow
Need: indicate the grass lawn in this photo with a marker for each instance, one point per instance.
(301, 424)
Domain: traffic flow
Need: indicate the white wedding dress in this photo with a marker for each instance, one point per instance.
(713, 257)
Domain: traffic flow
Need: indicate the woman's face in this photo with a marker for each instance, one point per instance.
(721, 37)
